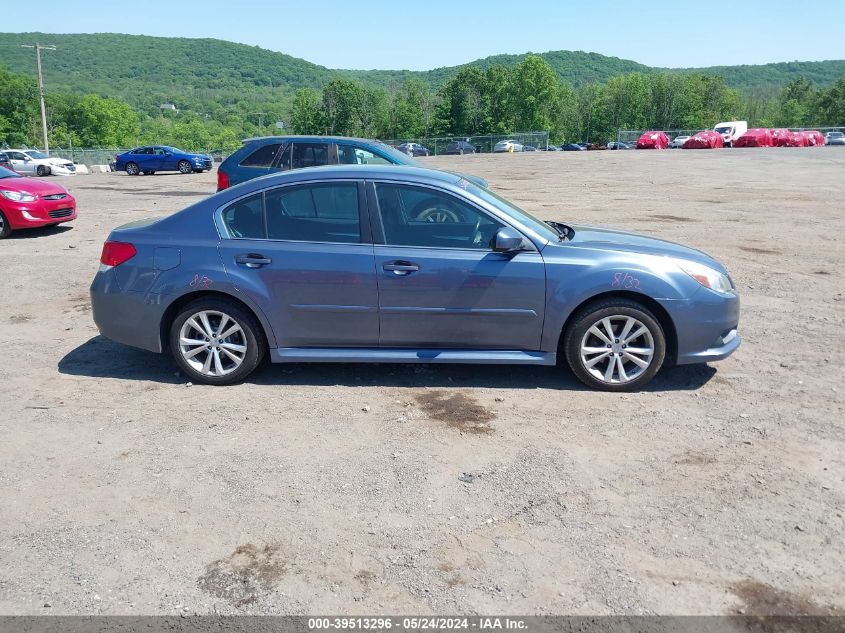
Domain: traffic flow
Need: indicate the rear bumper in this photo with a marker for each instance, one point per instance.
(131, 318)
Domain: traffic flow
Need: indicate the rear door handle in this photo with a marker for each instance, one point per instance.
(253, 260)
(400, 267)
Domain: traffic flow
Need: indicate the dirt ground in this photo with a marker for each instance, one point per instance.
(442, 489)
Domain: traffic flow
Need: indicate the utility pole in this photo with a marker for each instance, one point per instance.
(38, 48)
(260, 118)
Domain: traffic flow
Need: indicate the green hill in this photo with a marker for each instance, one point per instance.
(146, 71)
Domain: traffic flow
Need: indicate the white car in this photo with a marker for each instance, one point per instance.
(31, 162)
(678, 141)
(730, 131)
(508, 146)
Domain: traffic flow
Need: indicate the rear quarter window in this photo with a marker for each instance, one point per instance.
(264, 156)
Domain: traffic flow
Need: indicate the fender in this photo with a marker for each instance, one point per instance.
(573, 279)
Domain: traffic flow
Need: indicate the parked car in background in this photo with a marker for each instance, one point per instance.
(549, 148)
(460, 147)
(270, 154)
(619, 145)
(271, 268)
(34, 163)
(572, 147)
(678, 141)
(507, 146)
(27, 203)
(834, 138)
(730, 131)
(414, 149)
(529, 148)
(152, 158)
(4, 161)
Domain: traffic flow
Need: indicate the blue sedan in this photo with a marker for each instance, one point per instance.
(399, 264)
(153, 158)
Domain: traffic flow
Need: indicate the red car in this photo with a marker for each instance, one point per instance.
(27, 203)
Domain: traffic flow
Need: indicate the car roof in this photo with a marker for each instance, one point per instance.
(310, 137)
(370, 172)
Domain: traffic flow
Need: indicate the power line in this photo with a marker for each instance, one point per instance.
(38, 48)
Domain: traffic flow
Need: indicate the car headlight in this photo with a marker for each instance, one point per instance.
(17, 196)
(706, 276)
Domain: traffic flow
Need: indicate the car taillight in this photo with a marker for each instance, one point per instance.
(222, 180)
(116, 253)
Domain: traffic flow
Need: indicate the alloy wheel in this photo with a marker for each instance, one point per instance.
(617, 349)
(212, 343)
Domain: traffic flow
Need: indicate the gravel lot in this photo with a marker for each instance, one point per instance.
(401, 489)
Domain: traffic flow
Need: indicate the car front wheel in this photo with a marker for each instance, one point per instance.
(5, 227)
(216, 342)
(615, 345)
(42, 170)
(185, 167)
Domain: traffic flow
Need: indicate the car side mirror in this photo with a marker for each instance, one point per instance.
(507, 240)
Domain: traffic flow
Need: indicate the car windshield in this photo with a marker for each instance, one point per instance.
(37, 155)
(7, 173)
(400, 158)
(835, 134)
(538, 226)
(723, 130)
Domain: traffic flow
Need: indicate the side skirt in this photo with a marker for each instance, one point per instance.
(396, 355)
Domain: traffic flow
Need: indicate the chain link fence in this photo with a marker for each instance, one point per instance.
(484, 143)
(106, 155)
(631, 136)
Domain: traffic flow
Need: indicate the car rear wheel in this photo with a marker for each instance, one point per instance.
(216, 342)
(42, 170)
(185, 167)
(5, 227)
(132, 169)
(615, 345)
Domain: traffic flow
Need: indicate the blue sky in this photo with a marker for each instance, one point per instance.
(432, 33)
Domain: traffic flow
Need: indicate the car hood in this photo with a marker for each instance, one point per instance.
(32, 186)
(53, 160)
(610, 239)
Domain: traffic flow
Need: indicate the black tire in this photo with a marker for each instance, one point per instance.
(185, 167)
(132, 169)
(5, 227)
(42, 170)
(251, 336)
(615, 310)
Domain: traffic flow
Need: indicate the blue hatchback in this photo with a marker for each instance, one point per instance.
(270, 154)
(405, 265)
(153, 158)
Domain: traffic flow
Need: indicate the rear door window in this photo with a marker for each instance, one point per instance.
(323, 212)
(309, 155)
(265, 156)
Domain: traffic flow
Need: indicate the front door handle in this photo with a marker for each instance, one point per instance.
(253, 260)
(400, 267)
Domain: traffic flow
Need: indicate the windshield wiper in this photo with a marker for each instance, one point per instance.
(564, 232)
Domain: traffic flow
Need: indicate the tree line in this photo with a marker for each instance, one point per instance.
(528, 96)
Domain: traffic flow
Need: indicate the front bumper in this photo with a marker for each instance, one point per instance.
(30, 215)
(706, 326)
